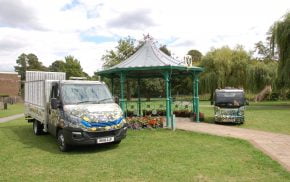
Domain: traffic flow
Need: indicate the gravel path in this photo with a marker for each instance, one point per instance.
(9, 118)
(277, 146)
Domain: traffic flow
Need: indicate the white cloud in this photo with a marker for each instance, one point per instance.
(52, 29)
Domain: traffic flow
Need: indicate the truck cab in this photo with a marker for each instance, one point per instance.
(77, 112)
(83, 112)
(229, 105)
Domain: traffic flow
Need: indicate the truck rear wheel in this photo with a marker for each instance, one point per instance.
(62, 145)
(37, 127)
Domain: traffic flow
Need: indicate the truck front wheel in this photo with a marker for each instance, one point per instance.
(62, 145)
(37, 127)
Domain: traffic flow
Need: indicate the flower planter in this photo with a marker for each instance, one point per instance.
(201, 116)
(144, 122)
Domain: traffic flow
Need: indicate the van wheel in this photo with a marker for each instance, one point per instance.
(62, 145)
(37, 127)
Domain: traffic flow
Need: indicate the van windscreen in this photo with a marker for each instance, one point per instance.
(85, 93)
(229, 99)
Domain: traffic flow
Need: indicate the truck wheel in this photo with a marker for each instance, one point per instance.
(37, 127)
(62, 145)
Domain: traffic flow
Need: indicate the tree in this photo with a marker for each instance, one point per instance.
(224, 67)
(123, 51)
(34, 64)
(263, 51)
(28, 62)
(73, 67)
(195, 55)
(58, 66)
(260, 74)
(281, 38)
(22, 65)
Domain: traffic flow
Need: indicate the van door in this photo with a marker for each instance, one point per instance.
(54, 113)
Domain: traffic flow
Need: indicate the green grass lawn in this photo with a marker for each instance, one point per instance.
(147, 155)
(273, 116)
(12, 109)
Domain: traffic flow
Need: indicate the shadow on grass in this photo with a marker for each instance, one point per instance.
(48, 143)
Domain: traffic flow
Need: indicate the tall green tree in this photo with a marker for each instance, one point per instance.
(224, 67)
(124, 49)
(28, 62)
(22, 65)
(264, 51)
(58, 66)
(195, 55)
(34, 63)
(281, 38)
(73, 67)
(260, 74)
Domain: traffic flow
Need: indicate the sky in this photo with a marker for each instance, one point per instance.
(85, 29)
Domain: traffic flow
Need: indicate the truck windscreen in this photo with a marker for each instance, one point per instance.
(229, 99)
(85, 93)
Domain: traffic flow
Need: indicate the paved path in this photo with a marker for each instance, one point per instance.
(9, 118)
(277, 146)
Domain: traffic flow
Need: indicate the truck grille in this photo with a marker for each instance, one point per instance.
(101, 134)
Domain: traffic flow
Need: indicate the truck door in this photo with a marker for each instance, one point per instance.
(54, 113)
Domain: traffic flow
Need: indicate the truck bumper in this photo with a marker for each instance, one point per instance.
(78, 137)
(229, 119)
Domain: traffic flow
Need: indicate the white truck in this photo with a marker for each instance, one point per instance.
(77, 112)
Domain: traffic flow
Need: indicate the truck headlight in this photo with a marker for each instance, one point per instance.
(217, 109)
(241, 111)
(73, 121)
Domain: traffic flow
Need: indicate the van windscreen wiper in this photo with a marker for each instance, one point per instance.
(85, 101)
(104, 99)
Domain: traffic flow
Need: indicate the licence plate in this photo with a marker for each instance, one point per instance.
(105, 140)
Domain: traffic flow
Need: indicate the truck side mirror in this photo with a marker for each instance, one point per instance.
(54, 103)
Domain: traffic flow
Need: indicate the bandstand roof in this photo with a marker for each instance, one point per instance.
(149, 61)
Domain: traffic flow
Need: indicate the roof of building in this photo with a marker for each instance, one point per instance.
(148, 56)
(147, 59)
